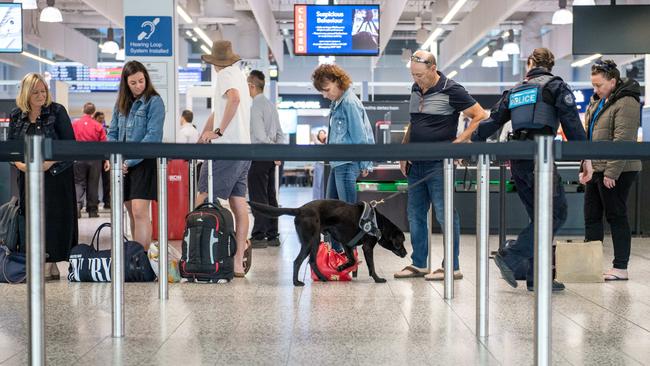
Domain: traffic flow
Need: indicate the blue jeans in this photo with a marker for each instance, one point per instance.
(420, 199)
(523, 249)
(342, 185)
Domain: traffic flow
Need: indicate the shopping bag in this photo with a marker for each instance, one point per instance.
(328, 261)
(173, 256)
(579, 262)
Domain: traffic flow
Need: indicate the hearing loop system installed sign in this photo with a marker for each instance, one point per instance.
(148, 36)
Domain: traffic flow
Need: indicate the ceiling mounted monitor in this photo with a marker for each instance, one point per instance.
(351, 30)
(611, 29)
(11, 28)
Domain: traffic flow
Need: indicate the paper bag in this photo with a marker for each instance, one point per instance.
(579, 262)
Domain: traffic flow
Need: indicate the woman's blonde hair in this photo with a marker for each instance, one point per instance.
(27, 85)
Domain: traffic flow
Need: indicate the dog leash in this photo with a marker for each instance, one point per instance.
(374, 203)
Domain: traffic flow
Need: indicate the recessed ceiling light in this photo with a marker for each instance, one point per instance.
(218, 20)
(483, 51)
(466, 63)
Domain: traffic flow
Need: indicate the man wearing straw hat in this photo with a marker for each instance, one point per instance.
(229, 123)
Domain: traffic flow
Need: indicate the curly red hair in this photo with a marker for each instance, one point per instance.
(331, 73)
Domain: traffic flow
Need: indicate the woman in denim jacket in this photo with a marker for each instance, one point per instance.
(138, 116)
(348, 124)
(37, 114)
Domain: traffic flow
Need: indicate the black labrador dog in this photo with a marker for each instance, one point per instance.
(341, 221)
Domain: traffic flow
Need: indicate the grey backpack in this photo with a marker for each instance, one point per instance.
(9, 224)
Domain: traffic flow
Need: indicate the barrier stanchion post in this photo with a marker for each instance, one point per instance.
(543, 237)
(429, 229)
(35, 248)
(448, 230)
(211, 197)
(162, 229)
(277, 182)
(192, 183)
(117, 254)
(482, 244)
(502, 205)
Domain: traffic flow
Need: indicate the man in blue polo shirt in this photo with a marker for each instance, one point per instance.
(436, 104)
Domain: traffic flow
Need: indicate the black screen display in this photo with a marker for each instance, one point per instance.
(611, 29)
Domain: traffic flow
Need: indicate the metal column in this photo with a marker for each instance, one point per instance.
(543, 238)
(162, 229)
(502, 205)
(117, 254)
(429, 229)
(277, 182)
(482, 244)
(192, 184)
(35, 248)
(448, 230)
(211, 197)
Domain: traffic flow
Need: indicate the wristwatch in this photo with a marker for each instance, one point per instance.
(218, 132)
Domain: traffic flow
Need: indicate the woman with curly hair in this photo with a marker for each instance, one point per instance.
(348, 124)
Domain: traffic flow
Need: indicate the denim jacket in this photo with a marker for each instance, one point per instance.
(349, 124)
(53, 123)
(143, 124)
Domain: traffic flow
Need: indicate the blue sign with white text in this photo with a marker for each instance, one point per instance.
(336, 29)
(148, 36)
(524, 97)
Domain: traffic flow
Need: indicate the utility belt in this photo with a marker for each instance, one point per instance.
(529, 134)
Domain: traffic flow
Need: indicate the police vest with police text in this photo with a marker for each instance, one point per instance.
(528, 110)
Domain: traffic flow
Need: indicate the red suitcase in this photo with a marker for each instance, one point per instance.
(178, 200)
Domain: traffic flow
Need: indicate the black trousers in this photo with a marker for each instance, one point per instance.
(106, 186)
(261, 188)
(613, 203)
(86, 181)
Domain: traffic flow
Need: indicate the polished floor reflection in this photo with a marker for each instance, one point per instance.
(264, 320)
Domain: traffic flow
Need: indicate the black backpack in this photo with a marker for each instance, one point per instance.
(89, 264)
(209, 244)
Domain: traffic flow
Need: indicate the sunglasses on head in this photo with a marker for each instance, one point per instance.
(602, 65)
(420, 60)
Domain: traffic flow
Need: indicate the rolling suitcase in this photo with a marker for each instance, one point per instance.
(209, 244)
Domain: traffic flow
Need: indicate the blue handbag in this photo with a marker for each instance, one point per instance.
(13, 266)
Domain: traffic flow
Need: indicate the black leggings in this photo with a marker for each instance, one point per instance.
(613, 203)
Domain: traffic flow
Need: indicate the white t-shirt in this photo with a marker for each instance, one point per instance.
(239, 129)
(187, 134)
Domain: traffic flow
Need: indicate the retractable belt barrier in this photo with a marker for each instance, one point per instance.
(543, 150)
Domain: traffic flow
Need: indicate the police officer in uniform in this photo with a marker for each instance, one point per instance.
(536, 107)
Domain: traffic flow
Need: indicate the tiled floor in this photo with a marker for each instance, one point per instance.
(264, 320)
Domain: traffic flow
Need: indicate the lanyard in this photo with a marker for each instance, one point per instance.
(593, 119)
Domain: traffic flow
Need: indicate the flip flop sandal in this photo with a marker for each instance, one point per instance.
(612, 277)
(439, 275)
(414, 273)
